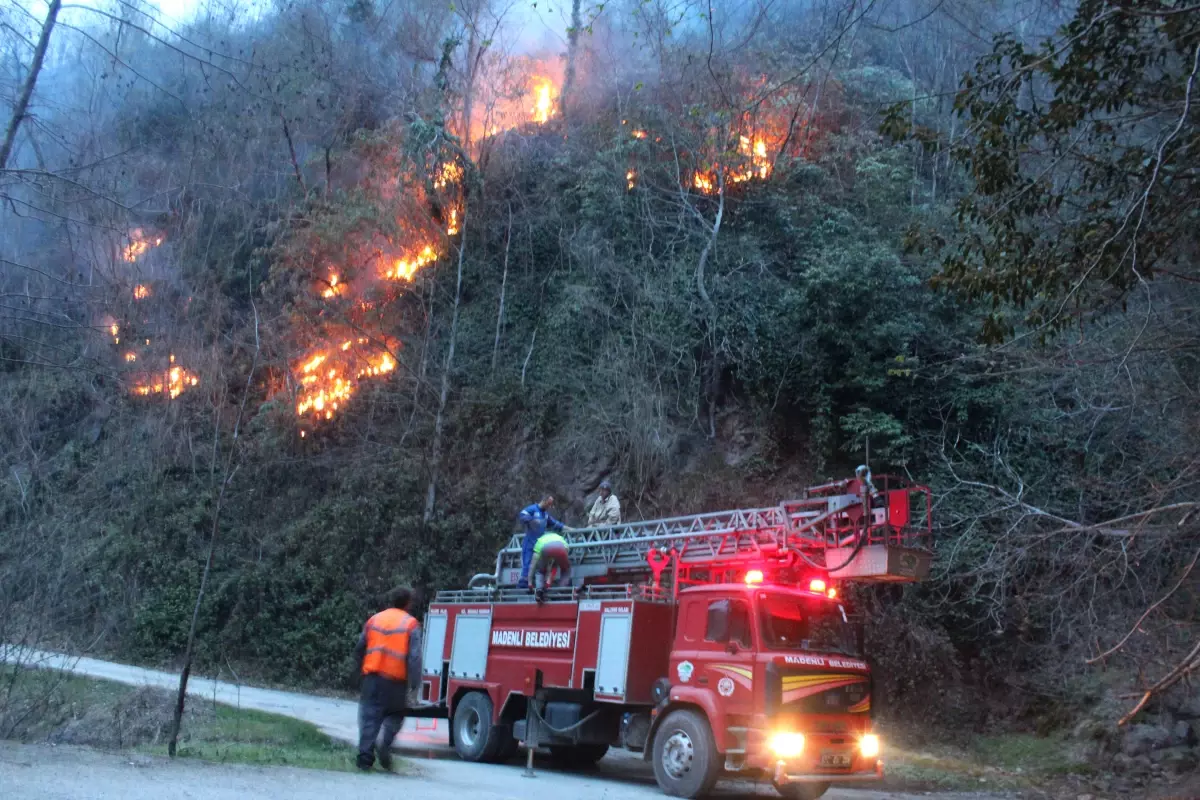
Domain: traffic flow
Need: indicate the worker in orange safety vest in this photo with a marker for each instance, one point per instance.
(388, 654)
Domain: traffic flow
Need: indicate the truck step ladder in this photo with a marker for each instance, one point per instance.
(848, 529)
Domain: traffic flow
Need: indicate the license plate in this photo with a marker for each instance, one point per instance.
(835, 760)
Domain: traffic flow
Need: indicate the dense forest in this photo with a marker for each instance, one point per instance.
(301, 300)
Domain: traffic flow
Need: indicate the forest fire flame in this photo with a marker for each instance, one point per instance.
(139, 244)
(545, 94)
(141, 292)
(406, 268)
(327, 386)
(171, 383)
(630, 179)
(756, 166)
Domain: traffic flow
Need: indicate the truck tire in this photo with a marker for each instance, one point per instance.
(686, 761)
(583, 755)
(802, 791)
(475, 737)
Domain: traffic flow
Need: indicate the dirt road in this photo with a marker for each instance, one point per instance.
(42, 771)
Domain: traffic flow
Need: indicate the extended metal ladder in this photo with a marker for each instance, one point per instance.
(850, 529)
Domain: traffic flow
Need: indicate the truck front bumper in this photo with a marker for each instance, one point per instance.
(782, 776)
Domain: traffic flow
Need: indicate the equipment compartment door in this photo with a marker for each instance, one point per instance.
(613, 662)
(435, 643)
(472, 636)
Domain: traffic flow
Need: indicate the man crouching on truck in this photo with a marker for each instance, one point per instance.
(389, 656)
(550, 551)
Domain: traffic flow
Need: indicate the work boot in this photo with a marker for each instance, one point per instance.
(383, 752)
(540, 595)
(364, 763)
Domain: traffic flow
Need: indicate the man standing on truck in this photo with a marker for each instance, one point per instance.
(535, 519)
(607, 508)
(550, 551)
(388, 654)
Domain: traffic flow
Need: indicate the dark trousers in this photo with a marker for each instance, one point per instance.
(381, 708)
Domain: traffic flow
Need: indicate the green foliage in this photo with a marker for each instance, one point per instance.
(1080, 152)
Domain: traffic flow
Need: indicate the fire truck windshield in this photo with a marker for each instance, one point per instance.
(792, 622)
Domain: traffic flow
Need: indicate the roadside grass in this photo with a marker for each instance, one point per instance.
(1006, 761)
(50, 706)
(241, 736)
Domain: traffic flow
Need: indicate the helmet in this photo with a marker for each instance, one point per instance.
(606, 485)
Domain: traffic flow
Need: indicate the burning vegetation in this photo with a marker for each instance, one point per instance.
(171, 383)
(171, 380)
(139, 244)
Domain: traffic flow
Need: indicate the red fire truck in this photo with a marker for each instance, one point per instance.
(712, 644)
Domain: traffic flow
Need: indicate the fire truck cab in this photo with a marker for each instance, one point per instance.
(733, 654)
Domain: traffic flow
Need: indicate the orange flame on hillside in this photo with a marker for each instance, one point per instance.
(325, 387)
(450, 174)
(172, 383)
(630, 179)
(141, 292)
(406, 267)
(115, 330)
(333, 289)
(755, 165)
(544, 96)
(139, 244)
(131, 356)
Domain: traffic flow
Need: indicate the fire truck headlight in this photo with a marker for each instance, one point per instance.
(869, 745)
(787, 744)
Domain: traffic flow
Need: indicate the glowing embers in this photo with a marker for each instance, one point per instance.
(139, 244)
(406, 267)
(631, 179)
(452, 225)
(170, 383)
(329, 378)
(545, 95)
(333, 289)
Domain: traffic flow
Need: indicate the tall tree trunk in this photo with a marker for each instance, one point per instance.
(568, 90)
(435, 456)
(715, 366)
(35, 69)
(469, 89)
(226, 478)
(503, 285)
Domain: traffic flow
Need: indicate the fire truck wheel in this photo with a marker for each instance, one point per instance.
(584, 755)
(686, 761)
(802, 791)
(475, 737)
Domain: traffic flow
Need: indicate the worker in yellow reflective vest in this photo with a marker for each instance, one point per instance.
(549, 551)
(389, 656)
